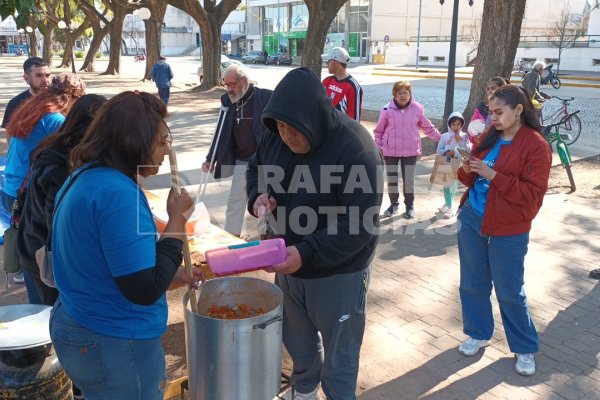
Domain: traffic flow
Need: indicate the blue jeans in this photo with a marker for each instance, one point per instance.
(32, 294)
(164, 94)
(494, 261)
(106, 367)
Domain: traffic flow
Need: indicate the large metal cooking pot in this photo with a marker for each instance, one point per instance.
(29, 368)
(235, 359)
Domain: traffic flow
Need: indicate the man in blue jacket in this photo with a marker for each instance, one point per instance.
(162, 75)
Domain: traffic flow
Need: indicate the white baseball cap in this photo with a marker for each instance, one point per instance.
(338, 54)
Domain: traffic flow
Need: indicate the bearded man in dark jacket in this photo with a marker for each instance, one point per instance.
(320, 175)
(242, 129)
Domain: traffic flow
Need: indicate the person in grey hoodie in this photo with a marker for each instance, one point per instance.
(320, 175)
(162, 75)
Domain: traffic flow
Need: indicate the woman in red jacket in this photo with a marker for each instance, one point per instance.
(506, 179)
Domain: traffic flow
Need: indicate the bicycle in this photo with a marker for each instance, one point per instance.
(549, 78)
(571, 129)
(552, 134)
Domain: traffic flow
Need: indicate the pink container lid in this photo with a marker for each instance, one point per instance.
(246, 257)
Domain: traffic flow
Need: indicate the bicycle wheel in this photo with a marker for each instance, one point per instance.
(555, 82)
(571, 130)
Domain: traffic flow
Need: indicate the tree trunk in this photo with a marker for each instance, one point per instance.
(209, 18)
(497, 46)
(47, 45)
(99, 33)
(69, 42)
(153, 34)
(321, 13)
(90, 57)
(116, 30)
(211, 54)
(33, 44)
(68, 49)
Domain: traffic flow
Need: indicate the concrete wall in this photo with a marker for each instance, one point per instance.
(576, 59)
(178, 43)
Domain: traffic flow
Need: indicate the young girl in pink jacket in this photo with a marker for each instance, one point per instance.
(398, 138)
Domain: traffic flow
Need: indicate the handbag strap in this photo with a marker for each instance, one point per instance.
(14, 217)
(62, 196)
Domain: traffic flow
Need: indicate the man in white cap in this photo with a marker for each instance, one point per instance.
(343, 90)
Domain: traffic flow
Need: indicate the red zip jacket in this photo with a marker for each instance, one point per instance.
(517, 191)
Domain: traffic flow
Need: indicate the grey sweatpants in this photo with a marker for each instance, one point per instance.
(323, 328)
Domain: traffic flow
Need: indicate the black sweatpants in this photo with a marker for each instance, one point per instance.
(407, 167)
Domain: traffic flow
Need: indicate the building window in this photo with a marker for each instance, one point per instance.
(551, 60)
(596, 62)
(439, 59)
(423, 58)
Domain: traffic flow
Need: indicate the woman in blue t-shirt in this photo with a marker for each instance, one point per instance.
(35, 119)
(109, 269)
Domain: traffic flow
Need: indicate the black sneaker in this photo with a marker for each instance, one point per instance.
(410, 213)
(391, 210)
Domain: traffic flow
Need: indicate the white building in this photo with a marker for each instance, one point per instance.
(395, 30)
(387, 31)
(180, 33)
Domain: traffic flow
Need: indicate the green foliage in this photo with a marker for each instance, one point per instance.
(99, 54)
(79, 53)
(22, 8)
(61, 53)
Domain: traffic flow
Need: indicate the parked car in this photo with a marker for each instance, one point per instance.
(279, 58)
(236, 56)
(254, 57)
(225, 62)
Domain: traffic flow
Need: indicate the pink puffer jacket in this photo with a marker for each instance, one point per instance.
(397, 132)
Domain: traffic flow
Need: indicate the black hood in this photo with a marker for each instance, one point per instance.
(300, 100)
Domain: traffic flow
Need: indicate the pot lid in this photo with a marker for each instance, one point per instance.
(23, 326)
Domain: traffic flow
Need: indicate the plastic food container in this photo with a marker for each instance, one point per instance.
(199, 221)
(245, 257)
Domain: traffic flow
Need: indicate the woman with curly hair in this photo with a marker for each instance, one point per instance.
(35, 119)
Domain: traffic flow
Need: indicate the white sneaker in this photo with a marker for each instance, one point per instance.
(471, 346)
(287, 395)
(314, 395)
(449, 213)
(525, 364)
(443, 209)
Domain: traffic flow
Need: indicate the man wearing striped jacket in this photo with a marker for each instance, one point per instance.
(342, 88)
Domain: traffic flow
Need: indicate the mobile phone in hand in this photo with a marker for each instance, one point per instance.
(464, 153)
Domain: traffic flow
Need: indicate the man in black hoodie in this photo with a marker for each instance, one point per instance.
(320, 175)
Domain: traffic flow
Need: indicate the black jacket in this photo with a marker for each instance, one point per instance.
(49, 171)
(225, 157)
(338, 243)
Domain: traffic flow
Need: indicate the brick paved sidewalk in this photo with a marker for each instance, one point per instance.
(414, 318)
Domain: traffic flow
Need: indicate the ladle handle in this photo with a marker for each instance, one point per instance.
(187, 259)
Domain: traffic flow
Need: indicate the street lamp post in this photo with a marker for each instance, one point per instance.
(449, 106)
(69, 29)
(418, 35)
(145, 15)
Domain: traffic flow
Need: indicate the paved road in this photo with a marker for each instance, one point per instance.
(430, 92)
